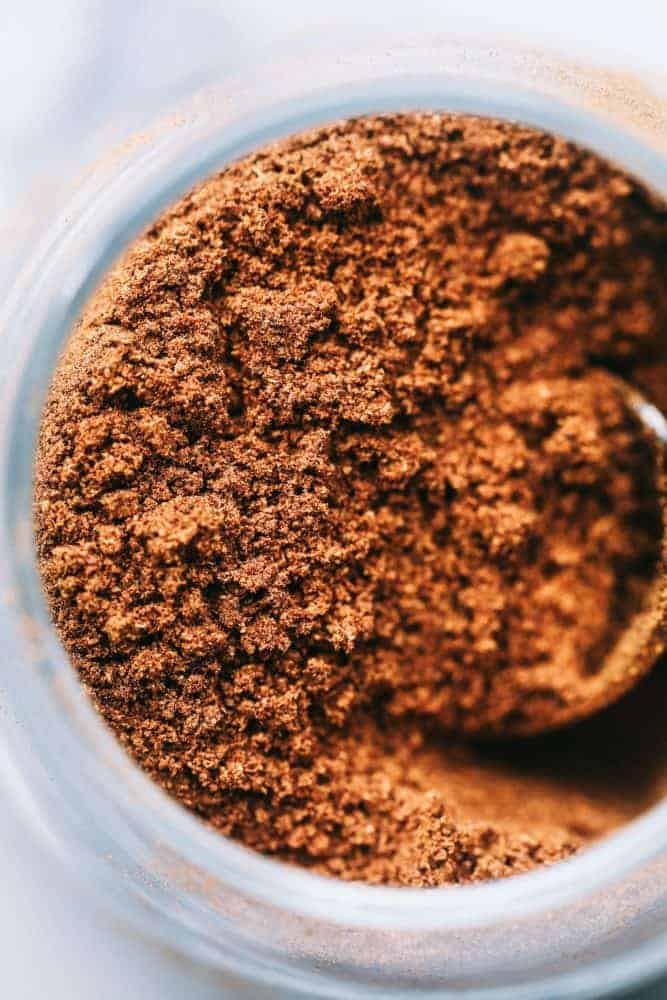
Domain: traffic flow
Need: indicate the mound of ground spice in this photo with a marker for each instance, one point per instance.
(334, 465)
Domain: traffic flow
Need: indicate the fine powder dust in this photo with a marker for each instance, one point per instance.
(335, 475)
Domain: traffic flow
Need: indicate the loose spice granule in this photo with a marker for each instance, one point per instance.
(334, 464)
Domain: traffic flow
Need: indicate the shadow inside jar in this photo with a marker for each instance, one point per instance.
(588, 778)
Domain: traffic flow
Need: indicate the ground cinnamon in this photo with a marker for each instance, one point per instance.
(335, 464)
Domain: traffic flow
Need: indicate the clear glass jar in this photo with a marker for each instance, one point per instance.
(593, 924)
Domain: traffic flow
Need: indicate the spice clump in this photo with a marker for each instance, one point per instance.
(335, 463)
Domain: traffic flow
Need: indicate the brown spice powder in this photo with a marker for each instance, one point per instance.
(334, 464)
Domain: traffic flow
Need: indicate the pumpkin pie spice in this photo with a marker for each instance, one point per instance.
(335, 478)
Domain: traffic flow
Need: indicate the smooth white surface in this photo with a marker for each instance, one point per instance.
(76, 75)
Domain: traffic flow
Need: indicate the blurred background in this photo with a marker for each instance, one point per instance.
(77, 76)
